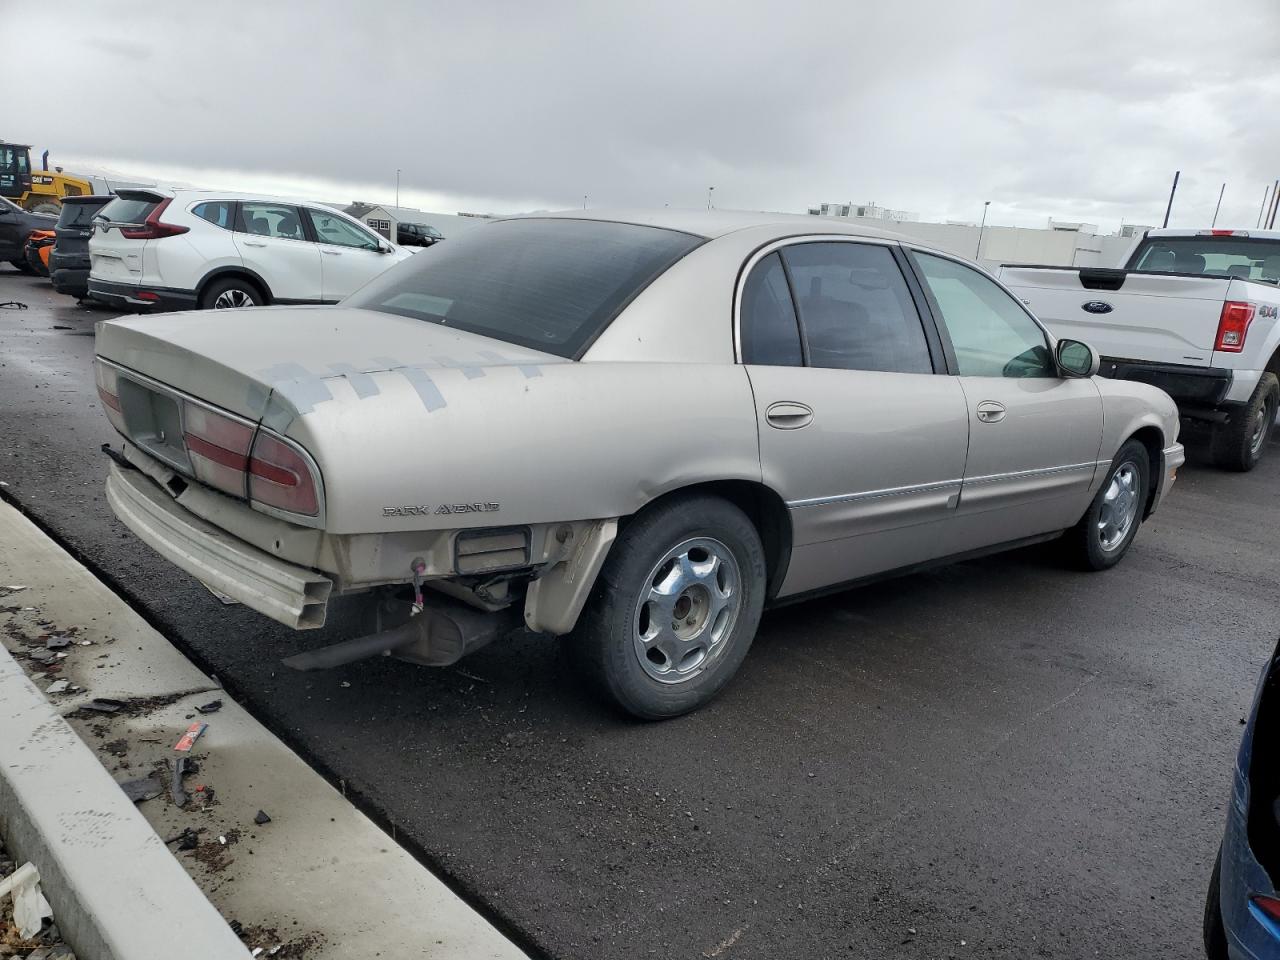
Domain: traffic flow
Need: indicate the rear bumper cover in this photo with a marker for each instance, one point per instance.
(73, 281)
(1194, 389)
(293, 595)
(128, 296)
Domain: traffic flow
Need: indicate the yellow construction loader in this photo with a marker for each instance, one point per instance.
(40, 191)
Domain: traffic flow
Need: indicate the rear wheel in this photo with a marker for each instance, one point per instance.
(1215, 932)
(1106, 531)
(231, 293)
(675, 608)
(1239, 445)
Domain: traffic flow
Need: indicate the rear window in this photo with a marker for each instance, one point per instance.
(550, 284)
(79, 214)
(1244, 257)
(129, 209)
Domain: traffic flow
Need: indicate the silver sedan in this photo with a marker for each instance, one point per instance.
(635, 431)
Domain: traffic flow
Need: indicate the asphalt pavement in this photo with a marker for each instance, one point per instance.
(1002, 758)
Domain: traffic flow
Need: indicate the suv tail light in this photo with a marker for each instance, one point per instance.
(1269, 906)
(281, 477)
(152, 228)
(1233, 326)
(108, 393)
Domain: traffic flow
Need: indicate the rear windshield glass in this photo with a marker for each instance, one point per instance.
(1247, 258)
(549, 284)
(79, 214)
(127, 210)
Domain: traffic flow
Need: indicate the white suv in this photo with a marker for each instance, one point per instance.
(189, 249)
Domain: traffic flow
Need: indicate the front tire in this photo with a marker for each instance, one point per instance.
(231, 293)
(1239, 445)
(675, 608)
(1106, 531)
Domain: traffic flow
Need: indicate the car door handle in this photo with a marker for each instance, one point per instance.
(990, 412)
(332, 253)
(254, 243)
(786, 415)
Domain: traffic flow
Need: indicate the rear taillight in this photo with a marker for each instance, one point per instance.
(109, 395)
(1269, 906)
(218, 448)
(1233, 326)
(152, 228)
(281, 477)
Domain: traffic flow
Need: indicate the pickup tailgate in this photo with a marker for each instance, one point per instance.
(1135, 316)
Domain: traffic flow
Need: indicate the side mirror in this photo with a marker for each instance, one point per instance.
(385, 248)
(1076, 359)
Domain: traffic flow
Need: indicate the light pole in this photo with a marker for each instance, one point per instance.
(710, 190)
(397, 192)
(985, 204)
(584, 201)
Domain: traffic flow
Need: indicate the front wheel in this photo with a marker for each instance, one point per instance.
(1106, 531)
(675, 608)
(230, 294)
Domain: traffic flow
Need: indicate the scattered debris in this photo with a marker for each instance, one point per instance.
(42, 656)
(344, 684)
(471, 676)
(212, 706)
(13, 305)
(117, 748)
(188, 839)
(57, 642)
(103, 705)
(261, 817)
(206, 793)
(58, 686)
(29, 905)
(13, 587)
(177, 791)
(188, 739)
(145, 788)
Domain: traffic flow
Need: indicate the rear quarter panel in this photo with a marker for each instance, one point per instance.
(550, 443)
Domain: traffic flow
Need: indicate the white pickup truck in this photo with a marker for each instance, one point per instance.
(1193, 312)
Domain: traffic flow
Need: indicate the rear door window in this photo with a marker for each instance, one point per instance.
(856, 312)
(770, 334)
(271, 220)
(220, 213)
(552, 284)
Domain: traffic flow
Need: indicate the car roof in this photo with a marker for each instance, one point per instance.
(1239, 234)
(718, 223)
(185, 195)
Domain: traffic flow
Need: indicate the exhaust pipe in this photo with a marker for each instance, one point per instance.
(441, 635)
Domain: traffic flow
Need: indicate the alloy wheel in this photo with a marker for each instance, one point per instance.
(1119, 509)
(232, 299)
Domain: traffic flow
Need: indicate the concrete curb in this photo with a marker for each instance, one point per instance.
(117, 892)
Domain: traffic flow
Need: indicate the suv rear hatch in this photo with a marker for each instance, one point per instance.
(116, 250)
(75, 227)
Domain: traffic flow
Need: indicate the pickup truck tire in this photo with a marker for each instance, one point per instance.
(1239, 444)
(1105, 532)
(675, 607)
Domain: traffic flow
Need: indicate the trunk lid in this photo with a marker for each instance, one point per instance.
(1133, 316)
(282, 359)
(113, 256)
(75, 225)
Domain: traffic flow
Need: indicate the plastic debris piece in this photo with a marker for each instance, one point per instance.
(104, 705)
(188, 739)
(261, 817)
(58, 686)
(188, 839)
(255, 951)
(213, 706)
(145, 788)
(86, 643)
(16, 587)
(222, 840)
(41, 656)
(177, 791)
(344, 684)
(29, 905)
(57, 642)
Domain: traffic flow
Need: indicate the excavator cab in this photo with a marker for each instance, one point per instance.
(40, 191)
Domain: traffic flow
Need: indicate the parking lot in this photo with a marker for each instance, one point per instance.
(1003, 757)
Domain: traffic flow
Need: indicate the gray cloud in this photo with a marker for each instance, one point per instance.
(1079, 112)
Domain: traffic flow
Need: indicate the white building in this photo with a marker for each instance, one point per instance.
(1060, 245)
(869, 211)
(385, 218)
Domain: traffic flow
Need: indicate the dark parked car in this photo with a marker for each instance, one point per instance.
(69, 262)
(417, 235)
(16, 226)
(1242, 911)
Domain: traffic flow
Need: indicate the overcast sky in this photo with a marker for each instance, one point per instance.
(1078, 111)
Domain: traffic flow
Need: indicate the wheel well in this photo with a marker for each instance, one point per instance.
(1273, 365)
(767, 512)
(1153, 440)
(232, 272)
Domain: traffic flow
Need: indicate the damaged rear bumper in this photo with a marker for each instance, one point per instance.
(293, 595)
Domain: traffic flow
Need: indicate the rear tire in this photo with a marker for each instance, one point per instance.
(231, 293)
(675, 608)
(1240, 444)
(1106, 531)
(1215, 932)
